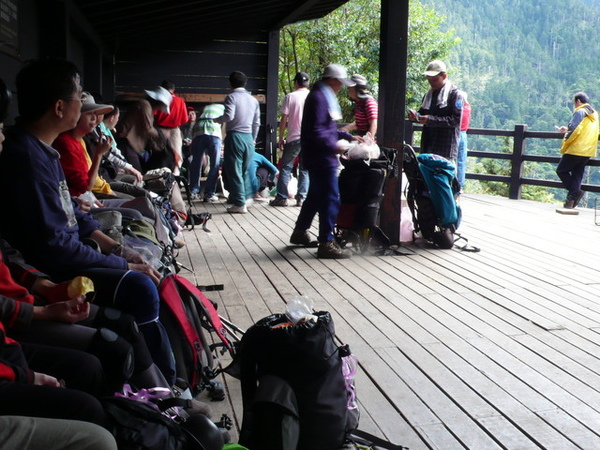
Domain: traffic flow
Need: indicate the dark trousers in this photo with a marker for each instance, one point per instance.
(84, 381)
(570, 170)
(323, 198)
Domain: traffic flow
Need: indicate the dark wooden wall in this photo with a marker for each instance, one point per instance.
(200, 70)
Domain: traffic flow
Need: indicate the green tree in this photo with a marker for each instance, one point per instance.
(350, 36)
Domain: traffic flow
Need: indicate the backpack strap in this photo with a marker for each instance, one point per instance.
(370, 439)
(466, 247)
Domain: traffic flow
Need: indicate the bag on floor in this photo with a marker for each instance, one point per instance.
(187, 314)
(292, 384)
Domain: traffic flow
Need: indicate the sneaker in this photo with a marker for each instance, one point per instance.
(331, 250)
(302, 238)
(569, 204)
(249, 202)
(235, 209)
(194, 196)
(279, 201)
(259, 199)
(211, 199)
(578, 198)
(299, 200)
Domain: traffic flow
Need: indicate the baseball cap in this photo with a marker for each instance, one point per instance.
(301, 77)
(434, 68)
(338, 72)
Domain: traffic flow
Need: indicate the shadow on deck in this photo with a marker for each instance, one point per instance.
(497, 349)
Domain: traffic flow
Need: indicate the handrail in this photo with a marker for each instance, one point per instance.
(517, 158)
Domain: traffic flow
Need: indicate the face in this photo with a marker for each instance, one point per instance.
(335, 84)
(192, 115)
(71, 107)
(87, 122)
(352, 93)
(437, 81)
(111, 121)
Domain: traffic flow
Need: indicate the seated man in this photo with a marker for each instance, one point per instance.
(51, 229)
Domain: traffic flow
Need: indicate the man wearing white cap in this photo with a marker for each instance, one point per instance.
(319, 138)
(440, 113)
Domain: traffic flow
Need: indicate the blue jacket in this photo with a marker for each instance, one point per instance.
(319, 133)
(39, 217)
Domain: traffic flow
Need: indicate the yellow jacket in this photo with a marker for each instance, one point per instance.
(582, 139)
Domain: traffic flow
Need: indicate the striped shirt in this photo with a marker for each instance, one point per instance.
(365, 111)
(209, 127)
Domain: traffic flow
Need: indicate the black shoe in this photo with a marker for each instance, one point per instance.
(279, 201)
(578, 198)
(302, 237)
(331, 250)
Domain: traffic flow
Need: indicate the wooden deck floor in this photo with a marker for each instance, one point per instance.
(497, 349)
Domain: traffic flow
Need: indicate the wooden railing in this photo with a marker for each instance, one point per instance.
(517, 158)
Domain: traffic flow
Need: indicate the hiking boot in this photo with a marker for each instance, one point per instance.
(299, 200)
(302, 238)
(578, 198)
(331, 250)
(235, 209)
(279, 201)
(569, 204)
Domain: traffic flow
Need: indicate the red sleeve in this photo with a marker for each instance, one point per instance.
(371, 109)
(74, 163)
(177, 116)
(12, 362)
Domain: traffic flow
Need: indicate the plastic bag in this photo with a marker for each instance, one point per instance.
(361, 150)
(300, 310)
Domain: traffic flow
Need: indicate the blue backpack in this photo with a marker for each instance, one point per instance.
(440, 178)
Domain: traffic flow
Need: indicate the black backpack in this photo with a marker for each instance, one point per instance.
(138, 426)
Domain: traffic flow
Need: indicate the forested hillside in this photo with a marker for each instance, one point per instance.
(522, 60)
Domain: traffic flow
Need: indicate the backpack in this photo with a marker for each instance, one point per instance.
(138, 426)
(431, 179)
(186, 313)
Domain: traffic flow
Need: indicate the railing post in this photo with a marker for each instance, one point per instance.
(409, 132)
(516, 171)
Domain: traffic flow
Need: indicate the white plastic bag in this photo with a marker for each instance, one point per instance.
(361, 150)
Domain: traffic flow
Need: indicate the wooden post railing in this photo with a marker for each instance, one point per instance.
(517, 158)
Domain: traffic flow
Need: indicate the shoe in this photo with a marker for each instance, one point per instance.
(249, 202)
(331, 250)
(211, 199)
(178, 243)
(299, 200)
(578, 198)
(279, 201)
(569, 204)
(302, 238)
(194, 196)
(258, 199)
(235, 209)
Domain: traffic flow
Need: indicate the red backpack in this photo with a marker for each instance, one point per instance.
(185, 313)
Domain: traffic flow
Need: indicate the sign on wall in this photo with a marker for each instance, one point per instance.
(9, 37)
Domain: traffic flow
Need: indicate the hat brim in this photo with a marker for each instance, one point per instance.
(431, 73)
(346, 82)
(98, 109)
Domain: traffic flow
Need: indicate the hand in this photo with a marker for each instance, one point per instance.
(422, 118)
(138, 176)
(41, 379)
(358, 138)
(104, 144)
(562, 129)
(412, 115)
(84, 205)
(71, 311)
(281, 144)
(148, 270)
(130, 255)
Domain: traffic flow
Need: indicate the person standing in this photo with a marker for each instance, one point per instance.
(207, 138)
(461, 160)
(439, 113)
(291, 118)
(169, 122)
(580, 143)
(319, 141)
(365, 108)
(242, 116)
